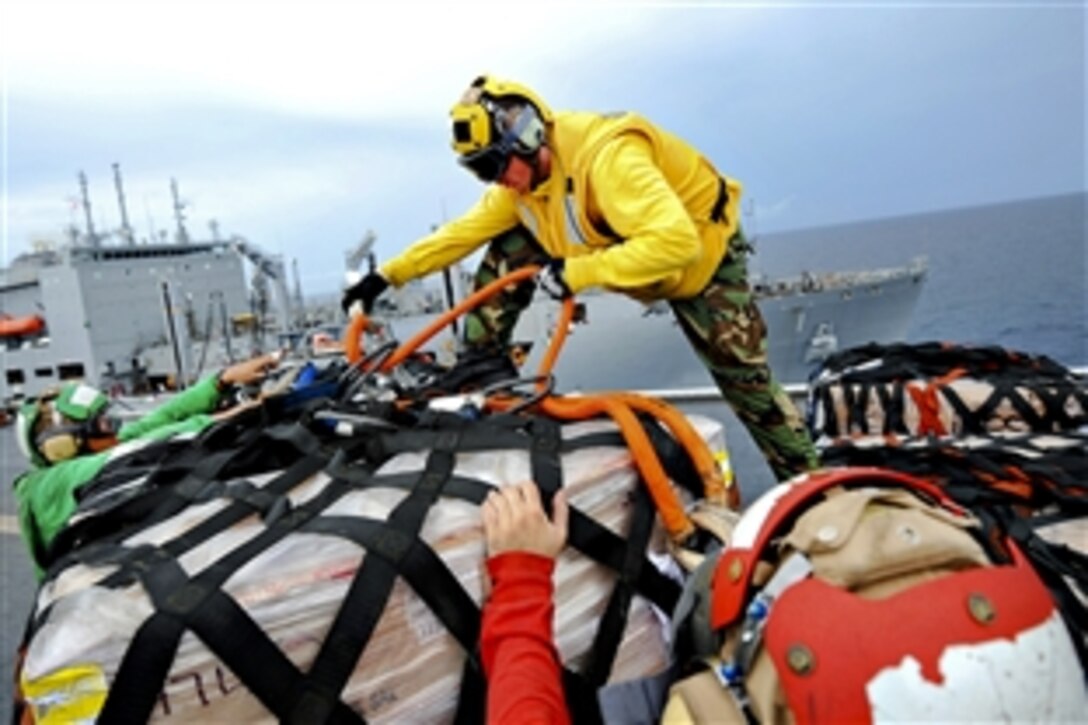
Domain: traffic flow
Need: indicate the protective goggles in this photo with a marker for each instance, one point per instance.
(65, 440)
(523, 138)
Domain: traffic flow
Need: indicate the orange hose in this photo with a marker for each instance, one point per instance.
(353, 337)
(665, 498)
(469, 303)
(714, 487)
(559, 336)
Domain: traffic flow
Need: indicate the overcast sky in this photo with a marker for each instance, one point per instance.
(301, 125)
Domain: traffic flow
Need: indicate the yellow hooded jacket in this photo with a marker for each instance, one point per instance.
(628, 205)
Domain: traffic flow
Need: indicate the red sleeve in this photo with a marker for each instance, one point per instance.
(524, 682)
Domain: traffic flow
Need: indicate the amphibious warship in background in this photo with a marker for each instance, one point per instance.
(133, 317)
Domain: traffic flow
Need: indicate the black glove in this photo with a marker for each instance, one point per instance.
(550, 279)
(366, 290)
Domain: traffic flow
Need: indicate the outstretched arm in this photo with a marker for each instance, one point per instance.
(493, 214)
(200, 398)
(519, 656)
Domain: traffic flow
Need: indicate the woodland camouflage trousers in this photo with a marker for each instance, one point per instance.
(722, 323)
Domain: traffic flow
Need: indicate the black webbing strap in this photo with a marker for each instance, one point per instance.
(200, 605)
(365, 600)
(98, 555)
(138, 512)
(159, 499)
(479, 436)
(1006, 370)
(891, 401)
(207, 608)
(1005, 390)
(1052, 563)
(150, 653)
(585, 535)
(547, 472)
(970, 420)
(132, 466)
(417, 564)
(1055, 399)
(856, 398)
(485, 436)
(831, 418)
(614, 621)
(544, 458)
(224, 627)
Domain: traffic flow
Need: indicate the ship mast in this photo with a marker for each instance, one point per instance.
(179, 209)
(92, 237)
(300, 307)
(126, 228)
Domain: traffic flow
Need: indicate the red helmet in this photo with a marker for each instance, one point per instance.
(979, 641)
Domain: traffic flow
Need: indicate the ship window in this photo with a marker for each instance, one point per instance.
(70, 371)
(16, 377)
(43, 372)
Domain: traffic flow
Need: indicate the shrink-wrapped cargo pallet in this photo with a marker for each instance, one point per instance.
(942, 390)
(278, 573)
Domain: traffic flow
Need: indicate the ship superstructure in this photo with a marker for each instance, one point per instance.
(133, 317)
(105, 306)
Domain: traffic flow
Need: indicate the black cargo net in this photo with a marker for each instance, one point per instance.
(142, 490)
(866, 390)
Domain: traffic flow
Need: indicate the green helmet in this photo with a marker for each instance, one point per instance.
(71, 408)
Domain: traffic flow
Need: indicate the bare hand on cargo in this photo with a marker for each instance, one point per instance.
(250, 371)
(514, 520)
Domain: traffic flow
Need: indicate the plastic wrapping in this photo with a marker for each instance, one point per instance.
(411, 667)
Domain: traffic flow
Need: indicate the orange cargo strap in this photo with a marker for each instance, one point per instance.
(929, 409)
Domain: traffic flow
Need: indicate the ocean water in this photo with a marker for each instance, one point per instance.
(1011, 274)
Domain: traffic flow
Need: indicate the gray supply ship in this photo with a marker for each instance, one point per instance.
(133, 317)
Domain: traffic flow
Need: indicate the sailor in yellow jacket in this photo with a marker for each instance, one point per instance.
(612, 201)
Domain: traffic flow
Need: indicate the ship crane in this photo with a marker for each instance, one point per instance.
(354, 256)
(272, 267)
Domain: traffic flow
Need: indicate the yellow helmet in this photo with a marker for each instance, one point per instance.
(495, 119)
